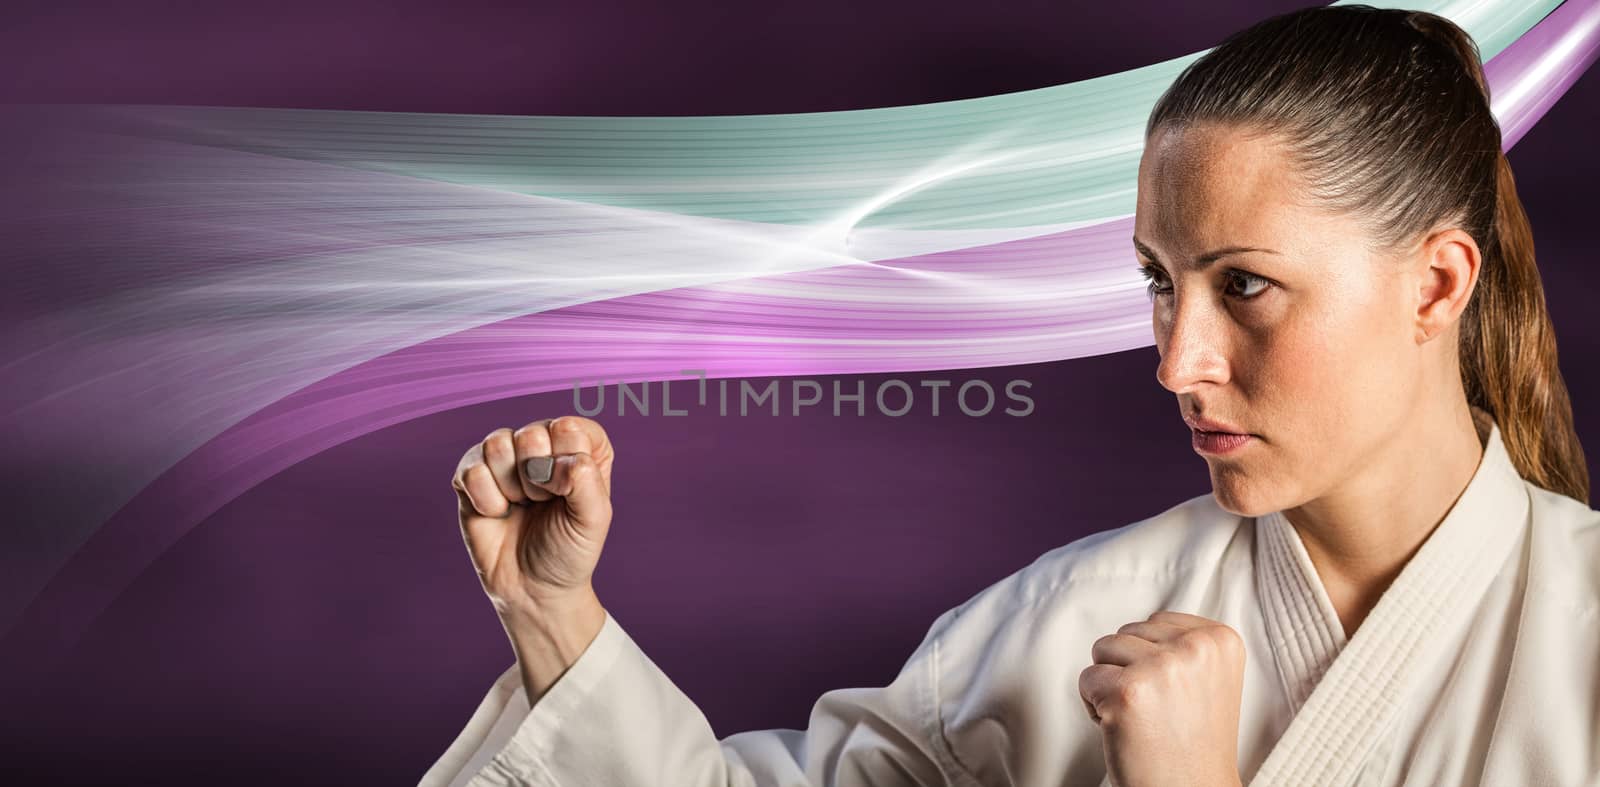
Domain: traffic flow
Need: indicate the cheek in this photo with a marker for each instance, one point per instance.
(1327, 372)
(1296, 366)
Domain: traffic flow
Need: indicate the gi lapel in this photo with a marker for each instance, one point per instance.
(1302, 625)
(1365, 683)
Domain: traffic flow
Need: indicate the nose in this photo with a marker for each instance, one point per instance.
(1191, 338)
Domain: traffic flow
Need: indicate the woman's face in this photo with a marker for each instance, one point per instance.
(1270, 316)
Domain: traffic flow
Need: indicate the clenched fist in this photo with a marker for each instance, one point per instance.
(1165, 692)
(535, 506)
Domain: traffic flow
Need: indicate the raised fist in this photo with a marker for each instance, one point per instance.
(535, 506)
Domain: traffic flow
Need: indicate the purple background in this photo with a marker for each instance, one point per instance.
(326, 626)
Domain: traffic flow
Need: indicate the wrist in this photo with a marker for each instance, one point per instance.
(549, 637)
(527, 609)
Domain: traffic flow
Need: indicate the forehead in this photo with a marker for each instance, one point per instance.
(1208, 185)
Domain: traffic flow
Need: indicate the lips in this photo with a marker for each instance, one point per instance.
(1209, 425)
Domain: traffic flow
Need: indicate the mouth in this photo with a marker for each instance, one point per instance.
(1208, 425)
(1219, 443)
(1216, 437)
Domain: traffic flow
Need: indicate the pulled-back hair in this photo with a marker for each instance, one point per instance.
(1386, 112)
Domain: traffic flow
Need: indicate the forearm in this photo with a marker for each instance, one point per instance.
(548, 640)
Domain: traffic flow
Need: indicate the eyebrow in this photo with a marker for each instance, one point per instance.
(1206, 259)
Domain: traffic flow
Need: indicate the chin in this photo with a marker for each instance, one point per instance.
(1238, 494)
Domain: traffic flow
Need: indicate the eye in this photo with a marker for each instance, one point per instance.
(1248, 279)
(1252, 284)
(1154, 275)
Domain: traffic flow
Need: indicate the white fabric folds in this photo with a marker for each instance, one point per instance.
(1480, 666)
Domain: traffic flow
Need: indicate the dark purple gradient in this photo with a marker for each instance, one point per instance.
(326, 627)
(689, 57)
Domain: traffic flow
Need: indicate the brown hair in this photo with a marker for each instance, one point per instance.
(1387, 112)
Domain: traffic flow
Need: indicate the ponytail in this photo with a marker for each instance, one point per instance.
(1508, 344)
(1508, 354)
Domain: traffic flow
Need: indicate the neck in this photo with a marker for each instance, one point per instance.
(1361, 534)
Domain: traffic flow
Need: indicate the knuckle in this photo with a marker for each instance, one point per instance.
(1195, 642)
(1168, 666)
(1088, 681)
(531, 441)
(1130, 689)
(1225, 641)
(1227, 635)
(478, 473)
(584, 470)
(1100, 645)
(497, 446)
(471, 457)
(537, 428)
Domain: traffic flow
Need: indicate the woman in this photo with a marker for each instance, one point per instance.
(1393, 580)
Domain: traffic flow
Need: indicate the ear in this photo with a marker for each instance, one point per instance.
(1449, 260)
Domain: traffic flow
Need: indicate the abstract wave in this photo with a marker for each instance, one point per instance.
(249, 287)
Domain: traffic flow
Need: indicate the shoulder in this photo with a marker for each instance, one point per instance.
(1566, 545)
(1149, 553)
(1192, 533)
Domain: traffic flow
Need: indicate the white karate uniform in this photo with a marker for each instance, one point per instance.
(1480, 665)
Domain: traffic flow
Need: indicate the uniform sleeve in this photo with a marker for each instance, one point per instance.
(613, 719)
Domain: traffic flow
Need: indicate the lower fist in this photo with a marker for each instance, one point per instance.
(1166, 692)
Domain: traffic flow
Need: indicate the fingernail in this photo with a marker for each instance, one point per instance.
(537, 468)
